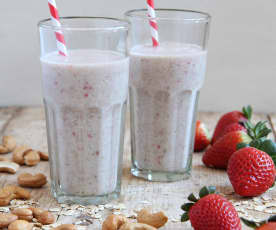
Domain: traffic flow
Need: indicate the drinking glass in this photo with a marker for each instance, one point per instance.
(165, 82)
(85, 95)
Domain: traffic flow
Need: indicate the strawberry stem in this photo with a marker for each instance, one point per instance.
(187, 206)
(257, 132)
(247, 112)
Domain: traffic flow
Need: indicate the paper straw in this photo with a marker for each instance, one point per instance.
(153, 23)
(61, 46)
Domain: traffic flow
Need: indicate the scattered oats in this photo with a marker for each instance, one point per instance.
(37, 228)
(245, 202)
(54, 209)
(131, 216)
(73, 206)
(108, 206)
(175, 220)
(81, 228)
(268, 211)
(64, 205)
(145, 202)
(256, 199)
(69, 213)
(260, 208)
(117, 213)
(81, 209)
(4, 209)
(97, 216)
(101, 208)
(266, 197)
(239, 209)
(78, 222)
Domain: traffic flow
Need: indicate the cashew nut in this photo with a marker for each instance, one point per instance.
(9, 142)
(3, 149)
(23, 214)
(9, 167)
(20, 193)
(32, 181)
(46, 218)
(20, 225)
(18, 154)
(4, 158)
(36, 211)
(65, 227)
(114, 222)
(31, 158)
(5, 197)
(43, 156)
(136, 226)
(11, 192)
(6, 219)
(156, 220)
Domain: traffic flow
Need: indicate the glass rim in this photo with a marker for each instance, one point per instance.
(46, 24)
(206, 17)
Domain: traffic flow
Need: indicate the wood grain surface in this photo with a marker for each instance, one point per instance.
(27, 125)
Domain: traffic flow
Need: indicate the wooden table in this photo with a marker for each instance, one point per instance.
(27, 125)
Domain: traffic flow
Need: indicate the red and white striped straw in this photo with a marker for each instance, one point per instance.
(56, 22)
(153, 23)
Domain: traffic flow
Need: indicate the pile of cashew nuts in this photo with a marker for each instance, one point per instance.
(145, 221)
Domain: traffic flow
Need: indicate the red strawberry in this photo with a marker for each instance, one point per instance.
(211, 212)
(218, 155)
(230, 118)
(202, 137)
(269, 224)
(251, 172)
(234, 127)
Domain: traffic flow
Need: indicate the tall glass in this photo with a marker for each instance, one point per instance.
(85, 96)
(164, 88)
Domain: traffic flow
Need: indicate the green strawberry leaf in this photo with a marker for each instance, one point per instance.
(247, 112)
(203, 192)
(257, 132)
(242, 145)
(249, 223)
(206, 191)
(186, 207)
(267, 146)
(192, 198)
(272, 219)
(185, 217)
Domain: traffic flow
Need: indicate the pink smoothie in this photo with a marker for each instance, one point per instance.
(164, 85)
(85, 96)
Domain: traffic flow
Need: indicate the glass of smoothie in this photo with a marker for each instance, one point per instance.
(165, 82)
(85, 96)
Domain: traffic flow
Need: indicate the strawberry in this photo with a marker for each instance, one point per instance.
(230, 118)
(210, 212)
(251, 172)
(217, 156)
(234, 127)
(269, 224)
(202, 137)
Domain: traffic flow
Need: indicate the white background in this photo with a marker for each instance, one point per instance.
(242, 48)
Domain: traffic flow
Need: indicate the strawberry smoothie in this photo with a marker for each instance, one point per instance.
(85, 97)
(164, 87)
